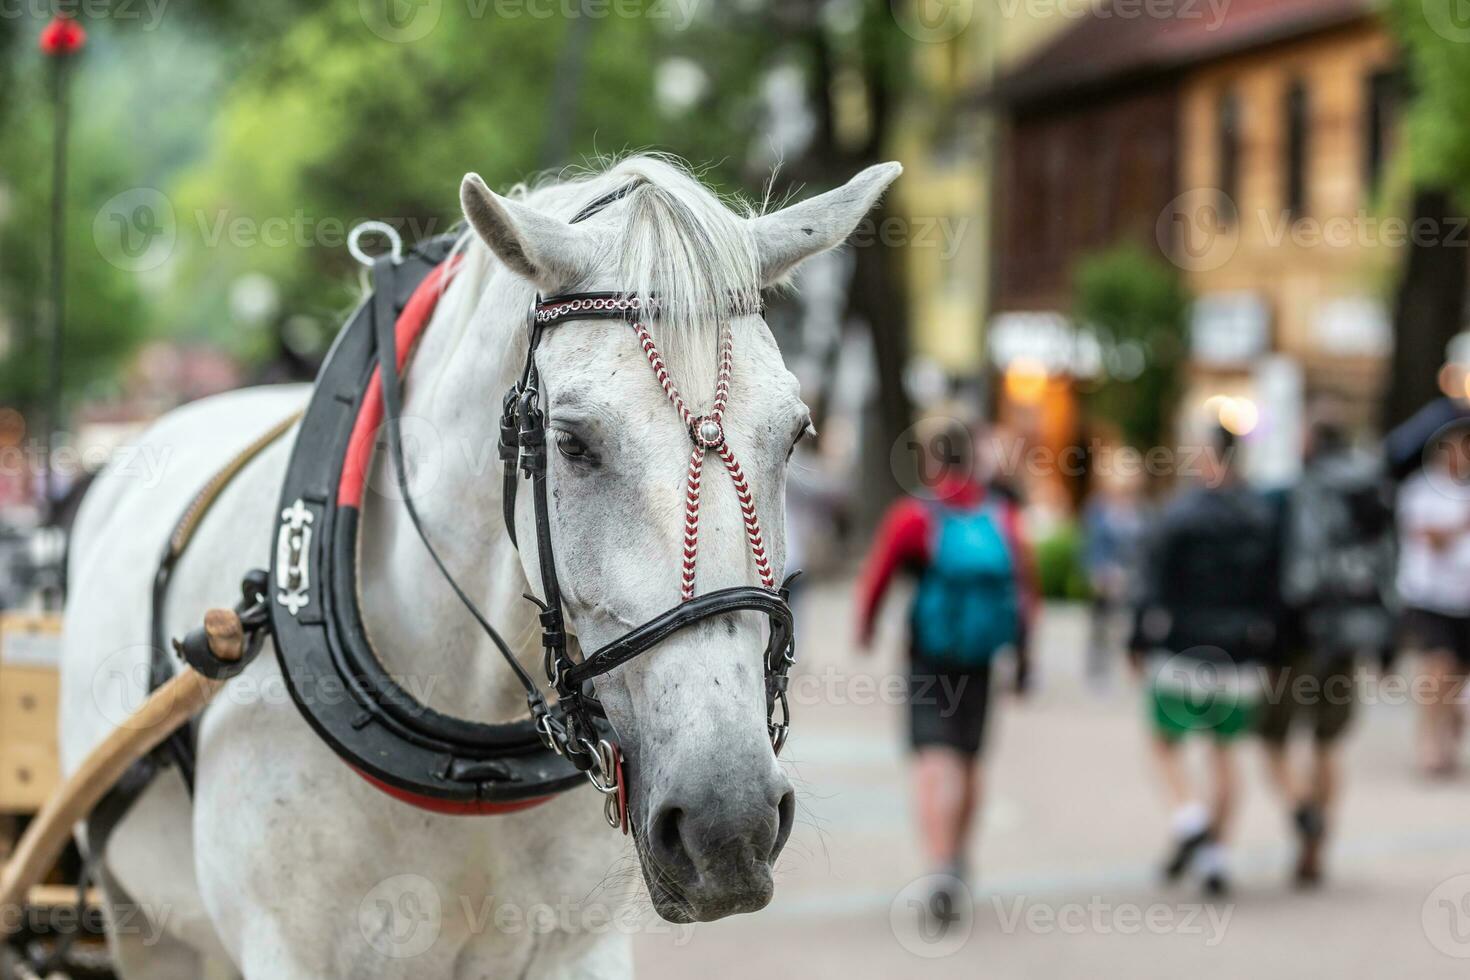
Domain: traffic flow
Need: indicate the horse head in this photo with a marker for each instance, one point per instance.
(709, 805)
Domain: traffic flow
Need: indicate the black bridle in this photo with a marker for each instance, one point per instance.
(478, 762)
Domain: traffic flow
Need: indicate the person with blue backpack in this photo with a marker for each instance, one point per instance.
(975, 599)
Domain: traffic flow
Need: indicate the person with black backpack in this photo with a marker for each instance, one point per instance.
(1207, 616)
(975, 599)
(1338, 565)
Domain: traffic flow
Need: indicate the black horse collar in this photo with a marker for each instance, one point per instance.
(404, 747)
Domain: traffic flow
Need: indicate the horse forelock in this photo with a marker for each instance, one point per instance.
(671, 237)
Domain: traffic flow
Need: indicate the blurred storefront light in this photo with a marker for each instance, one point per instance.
(1025, 381)
(1237, 414)
(1048, 339)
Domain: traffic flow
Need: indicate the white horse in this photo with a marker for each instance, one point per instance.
(287, 865)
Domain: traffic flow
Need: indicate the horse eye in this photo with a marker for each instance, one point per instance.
(808, 431)
(573, 448)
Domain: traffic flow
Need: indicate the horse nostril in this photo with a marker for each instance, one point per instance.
(668, 840)
(786, 816)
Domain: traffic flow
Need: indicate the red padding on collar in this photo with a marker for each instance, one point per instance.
(451, 807)
(411, 323)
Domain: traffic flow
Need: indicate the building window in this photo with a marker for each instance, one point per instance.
(1298, 128)
(1227, 148)
(1382, 97)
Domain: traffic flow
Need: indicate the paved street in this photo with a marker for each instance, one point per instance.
(1072, 834)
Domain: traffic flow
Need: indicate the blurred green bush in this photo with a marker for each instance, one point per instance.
(1059, 564)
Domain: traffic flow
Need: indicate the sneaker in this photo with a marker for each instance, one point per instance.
(1184, 852)
(942, 908)
(1217, 885)
(1311, 829)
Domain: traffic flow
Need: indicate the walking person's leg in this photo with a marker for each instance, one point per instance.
(946, 792)
(1436, 718)
(1213, 855)
(947, 716)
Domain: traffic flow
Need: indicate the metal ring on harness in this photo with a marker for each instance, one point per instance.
(354, 241)
(422, 756)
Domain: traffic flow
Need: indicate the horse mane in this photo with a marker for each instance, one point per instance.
(676, 239)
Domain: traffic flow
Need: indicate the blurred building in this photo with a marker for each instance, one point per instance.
(948, 189)
(1247, 146)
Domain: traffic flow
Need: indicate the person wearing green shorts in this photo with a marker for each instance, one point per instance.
(1206, 618)
(1220, 715)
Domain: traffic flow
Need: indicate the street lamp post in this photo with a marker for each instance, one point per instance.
(61, 40)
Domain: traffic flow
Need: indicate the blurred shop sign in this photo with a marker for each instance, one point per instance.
(1353, 326)
(1229, 328)
(1045, 338)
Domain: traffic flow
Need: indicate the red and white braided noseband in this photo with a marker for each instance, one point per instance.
(707, 432)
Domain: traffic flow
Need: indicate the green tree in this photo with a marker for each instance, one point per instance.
(1430, 306)
(1138, 308)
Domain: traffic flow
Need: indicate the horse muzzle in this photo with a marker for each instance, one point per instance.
(708, 850)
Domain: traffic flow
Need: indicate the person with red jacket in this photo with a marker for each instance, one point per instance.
(976, 596)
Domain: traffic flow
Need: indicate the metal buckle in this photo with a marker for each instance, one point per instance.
(779, 730)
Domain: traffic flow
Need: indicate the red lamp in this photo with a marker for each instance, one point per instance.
(62, 37)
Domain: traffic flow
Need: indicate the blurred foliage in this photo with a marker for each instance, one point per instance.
(1059, 569)
(1131, 297)
(265, 130)
(1434, 36)
(104, 310)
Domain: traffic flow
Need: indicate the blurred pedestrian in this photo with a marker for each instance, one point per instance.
(1337, 582)
(1207, 617)
(975, 597)
(1434, 585)
(1112, 527)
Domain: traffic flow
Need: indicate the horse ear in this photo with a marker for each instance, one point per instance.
(786, 238)
(545, 250)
